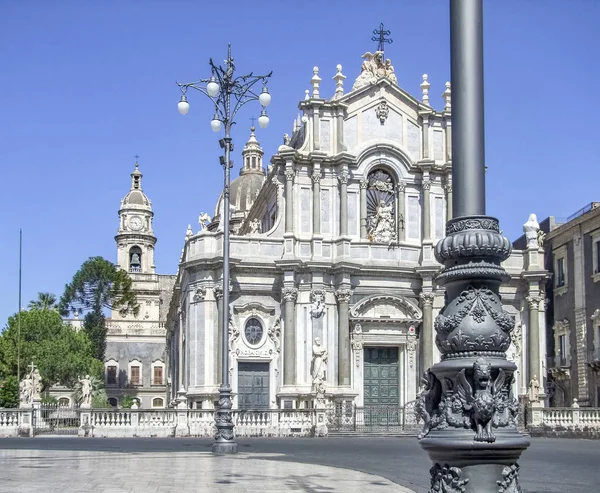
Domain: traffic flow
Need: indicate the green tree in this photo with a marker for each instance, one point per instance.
(9, 392)
(60, 354)
(96, 286)
(44, 301)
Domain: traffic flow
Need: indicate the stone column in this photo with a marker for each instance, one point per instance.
(448, 201)
(426, 207)
(426, 342)
(344, 351)
(533, 338)
(289, 199)
(401, 190)
(316, 178)
(425, 136)
(363, 208)
(289, 296)
(217, 334)
(343, 179)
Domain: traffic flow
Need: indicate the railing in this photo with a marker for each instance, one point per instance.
(583, 210)
(9, 418)
(566, 417)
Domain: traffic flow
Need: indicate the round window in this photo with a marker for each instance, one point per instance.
(253, 331)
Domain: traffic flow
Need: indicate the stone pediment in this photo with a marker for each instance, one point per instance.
(254, 308)
(386, 308)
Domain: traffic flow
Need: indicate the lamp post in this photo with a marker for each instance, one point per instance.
(467, 401)
(228, 93)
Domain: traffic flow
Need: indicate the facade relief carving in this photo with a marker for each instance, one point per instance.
(317, 298)
(373, 68)
(199, 294)
(382, 111)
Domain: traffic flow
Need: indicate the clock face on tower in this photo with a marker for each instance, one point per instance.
(135, 223)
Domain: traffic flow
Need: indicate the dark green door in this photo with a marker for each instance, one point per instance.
(253, 386)
(381, 379)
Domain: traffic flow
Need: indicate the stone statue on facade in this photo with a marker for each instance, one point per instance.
(373, 68)
(534, 390)
(86, 392)
(319, 364)
(254, 226)
(318, 303)
(203, 220)
(381, 224)
(531, 228)
(221, 226)
(541, 237)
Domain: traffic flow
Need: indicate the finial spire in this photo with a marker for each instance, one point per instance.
(136, 176)
(425, 89)
(447, 95)
(339, 82)
(315, 81)
(380, 37)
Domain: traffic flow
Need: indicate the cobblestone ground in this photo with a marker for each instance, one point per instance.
(61, 471)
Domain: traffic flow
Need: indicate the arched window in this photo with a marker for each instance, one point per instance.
(253, 331)
(135, 259)
(381, 207)
(112, 401)
(64, 402)
(158, 402)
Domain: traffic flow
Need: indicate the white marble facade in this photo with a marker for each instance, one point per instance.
(349, 211)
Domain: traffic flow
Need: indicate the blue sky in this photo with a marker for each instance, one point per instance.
(85, 86)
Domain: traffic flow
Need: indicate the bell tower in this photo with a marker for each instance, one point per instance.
(135, 237)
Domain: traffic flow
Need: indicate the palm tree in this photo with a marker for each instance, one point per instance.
(45, 301)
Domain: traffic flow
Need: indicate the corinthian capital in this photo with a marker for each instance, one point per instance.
(343, 177)
(289, 294)
(426, 184)
(401, 186)
(427, 299)
(364, 183)
(316, 176)
(289, 174)
(343, 295)
(534, 302)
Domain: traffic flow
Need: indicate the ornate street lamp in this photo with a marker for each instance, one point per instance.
(228, 94)
(467, 403)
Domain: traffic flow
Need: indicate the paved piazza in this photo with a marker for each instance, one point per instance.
(368, 464)
(61, 471)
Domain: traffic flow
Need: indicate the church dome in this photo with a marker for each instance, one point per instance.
(243, 192)
(245, 188)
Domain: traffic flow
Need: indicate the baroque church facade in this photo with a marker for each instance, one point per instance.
(333, 293)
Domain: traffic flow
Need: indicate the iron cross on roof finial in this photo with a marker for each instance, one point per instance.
(253, 120)
(380, 37)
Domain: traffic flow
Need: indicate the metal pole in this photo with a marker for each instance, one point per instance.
(468, 142)
(467, 402)
(224, 440)
(19, 313)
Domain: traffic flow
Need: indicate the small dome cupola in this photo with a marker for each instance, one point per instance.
(252, 155)
(136, 197)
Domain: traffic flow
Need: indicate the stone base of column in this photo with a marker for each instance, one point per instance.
(85, 426)
(225, 448)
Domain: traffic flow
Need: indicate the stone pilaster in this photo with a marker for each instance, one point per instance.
(448, 188)
(426, 342)
(218, 334)
(289, 199)
(363, 208)
(426, 207)
(344, 350)
(401, 198)
(426, 136)
(448, 139)
(533, 338)
(316, 179)
(289, 295)
(343, 179)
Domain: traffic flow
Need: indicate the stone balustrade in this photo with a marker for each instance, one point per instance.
(9, 422)
(569, 418)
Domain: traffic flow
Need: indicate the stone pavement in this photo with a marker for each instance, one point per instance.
(64, 471)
